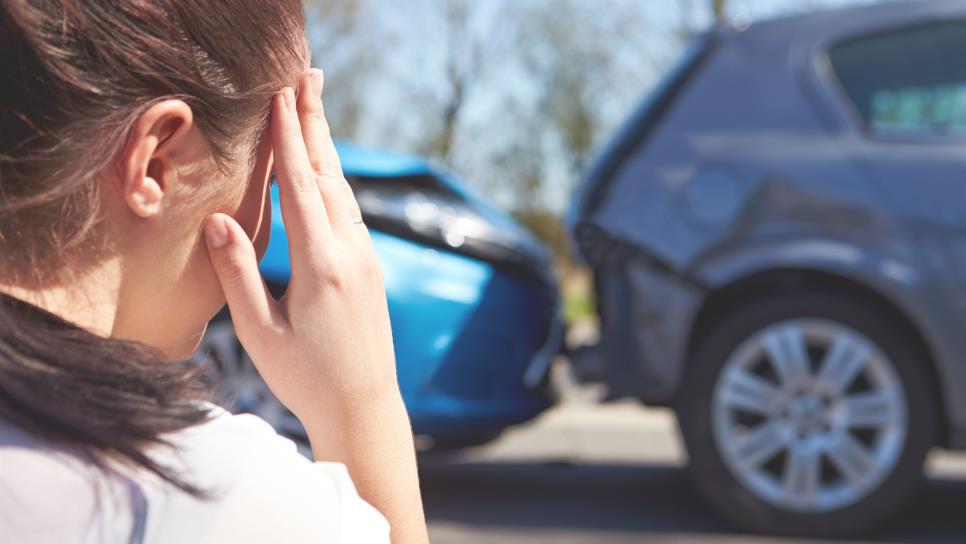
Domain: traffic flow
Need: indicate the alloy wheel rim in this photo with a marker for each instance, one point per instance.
(809, 415)
(238, 386)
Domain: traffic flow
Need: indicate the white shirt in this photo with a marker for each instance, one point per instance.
(262, 490)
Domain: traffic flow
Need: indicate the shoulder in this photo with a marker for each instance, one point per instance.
(261, 484)
(35, 474)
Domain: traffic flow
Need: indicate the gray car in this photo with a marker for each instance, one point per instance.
(778, 237)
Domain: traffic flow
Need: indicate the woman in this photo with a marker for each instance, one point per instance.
(137, 142)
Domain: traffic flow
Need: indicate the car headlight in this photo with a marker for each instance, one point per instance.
(425, 210)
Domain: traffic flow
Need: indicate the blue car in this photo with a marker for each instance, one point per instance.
(472, 297)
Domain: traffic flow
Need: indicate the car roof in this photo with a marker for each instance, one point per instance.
(833, 22)
(361, 161)
(795, 48)
(882, 8)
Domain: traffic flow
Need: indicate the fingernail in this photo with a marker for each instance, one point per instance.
(216, 233)
(318, 80)
(289, 96)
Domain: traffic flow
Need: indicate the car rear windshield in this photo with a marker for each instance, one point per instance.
(907, 81)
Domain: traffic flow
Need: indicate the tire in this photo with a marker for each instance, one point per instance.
(449, 444)
(729, 444)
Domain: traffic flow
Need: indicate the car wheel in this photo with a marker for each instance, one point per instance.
(807, 414)
(239, 387)
(446, 444)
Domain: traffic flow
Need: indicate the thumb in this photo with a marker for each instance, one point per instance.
(253, 310)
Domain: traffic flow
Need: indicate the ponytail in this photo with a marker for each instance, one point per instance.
(108, 398)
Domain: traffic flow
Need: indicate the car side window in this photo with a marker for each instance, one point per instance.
(910, 81)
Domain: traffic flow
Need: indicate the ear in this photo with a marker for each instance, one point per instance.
(147, 163)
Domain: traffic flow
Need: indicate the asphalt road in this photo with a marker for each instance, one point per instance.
(592, 474)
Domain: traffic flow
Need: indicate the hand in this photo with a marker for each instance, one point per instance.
(326, 347)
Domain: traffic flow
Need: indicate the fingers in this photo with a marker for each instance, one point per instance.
(303, 210)
(252, 307)
(315, 127)
(340, 203)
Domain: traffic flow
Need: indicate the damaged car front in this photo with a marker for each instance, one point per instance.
(472, 297)
(776, 238)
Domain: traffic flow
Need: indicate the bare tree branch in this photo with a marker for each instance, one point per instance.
(718, 8)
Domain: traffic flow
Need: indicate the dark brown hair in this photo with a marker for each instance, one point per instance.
(76, 75)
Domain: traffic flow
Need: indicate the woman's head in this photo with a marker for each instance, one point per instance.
(123, 124)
